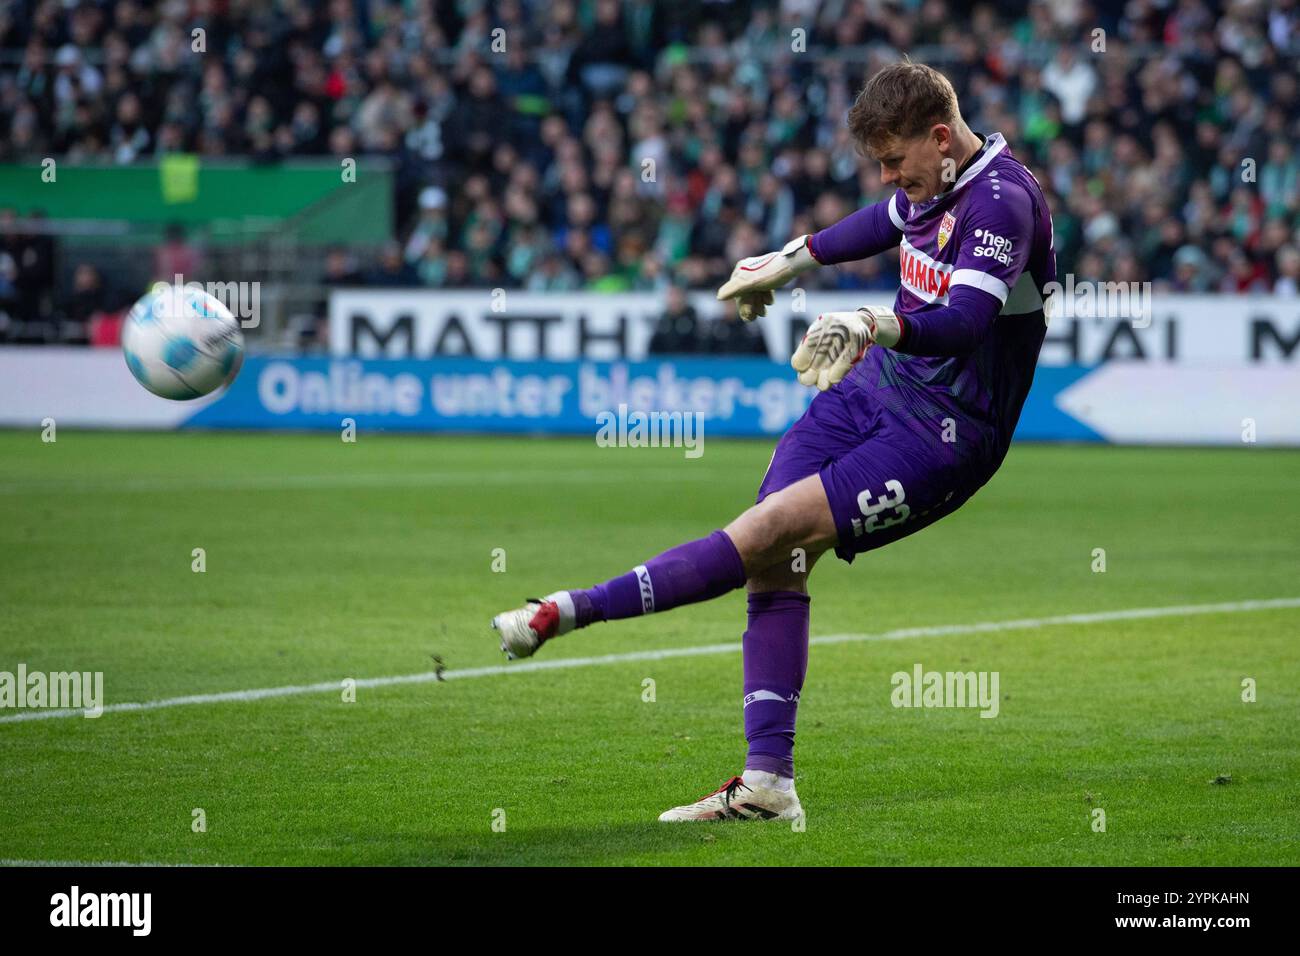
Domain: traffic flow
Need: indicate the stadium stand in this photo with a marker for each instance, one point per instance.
(634, 145)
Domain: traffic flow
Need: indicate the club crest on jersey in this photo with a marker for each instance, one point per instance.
(946, 225)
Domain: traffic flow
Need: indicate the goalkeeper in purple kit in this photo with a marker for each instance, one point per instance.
(916, 409)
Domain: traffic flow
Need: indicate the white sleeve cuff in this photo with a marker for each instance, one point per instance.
(982, 281)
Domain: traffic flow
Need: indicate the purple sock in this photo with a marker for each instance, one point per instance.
(694, 571)
(776, 660)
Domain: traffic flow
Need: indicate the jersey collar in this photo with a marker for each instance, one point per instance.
(993, 145)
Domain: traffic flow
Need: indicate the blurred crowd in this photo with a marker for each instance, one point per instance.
(630, 144)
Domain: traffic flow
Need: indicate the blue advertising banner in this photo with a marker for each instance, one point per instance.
(1042, 418)
(737, 397)
(742, 397)
(1123, 402)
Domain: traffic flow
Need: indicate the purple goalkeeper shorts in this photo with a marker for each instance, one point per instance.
(884, 479)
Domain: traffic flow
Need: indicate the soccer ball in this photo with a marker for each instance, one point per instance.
(182, 343)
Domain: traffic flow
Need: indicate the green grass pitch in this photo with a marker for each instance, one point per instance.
(327, 560)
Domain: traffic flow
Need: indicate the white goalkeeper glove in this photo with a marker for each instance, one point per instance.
(836, 341)
(753, 279)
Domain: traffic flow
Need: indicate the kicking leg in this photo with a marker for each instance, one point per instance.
(694, 571)
(766, 534)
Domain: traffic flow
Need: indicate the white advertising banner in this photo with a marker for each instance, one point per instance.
(82, 388)
(508, 324)
(1204, 370)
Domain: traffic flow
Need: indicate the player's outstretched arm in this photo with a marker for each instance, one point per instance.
(862, 234)
(753, 279)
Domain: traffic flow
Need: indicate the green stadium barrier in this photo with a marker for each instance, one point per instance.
(227, 199)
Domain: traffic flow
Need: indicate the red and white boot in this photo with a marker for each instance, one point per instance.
(525, 629)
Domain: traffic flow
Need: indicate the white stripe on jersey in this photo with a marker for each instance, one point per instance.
(982, 281)
(894, 217)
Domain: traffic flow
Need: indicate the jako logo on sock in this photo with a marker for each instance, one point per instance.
(647, 589)
(793, 698)
(923, 688)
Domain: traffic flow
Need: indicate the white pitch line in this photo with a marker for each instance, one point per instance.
(566, 663)
(309, 482)
(77, 863)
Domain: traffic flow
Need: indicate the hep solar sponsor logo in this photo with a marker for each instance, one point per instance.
(993, 246)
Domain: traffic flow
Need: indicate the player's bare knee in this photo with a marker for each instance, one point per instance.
(754, 534)
(792, 531)
(783, 526)
(779, 577)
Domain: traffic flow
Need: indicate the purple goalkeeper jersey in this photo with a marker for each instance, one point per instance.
(973, 265)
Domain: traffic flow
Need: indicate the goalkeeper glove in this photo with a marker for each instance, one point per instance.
(836, 341)
(753, 279)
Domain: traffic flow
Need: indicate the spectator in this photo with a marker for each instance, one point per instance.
(339, 269)
(391, 271)
(432, 224)
(88, 301)
(1071, 81)
(684, 135)
(728, 334)
(678, 329)
(1288, 272)
(176, 257)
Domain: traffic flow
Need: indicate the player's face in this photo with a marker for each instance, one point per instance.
(915, 165)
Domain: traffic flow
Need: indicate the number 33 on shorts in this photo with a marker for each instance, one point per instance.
(874, 516)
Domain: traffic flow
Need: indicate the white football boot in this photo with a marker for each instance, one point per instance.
(524, 629)
(734, 800)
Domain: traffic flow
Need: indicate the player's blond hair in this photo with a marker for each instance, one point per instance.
(902, 101)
